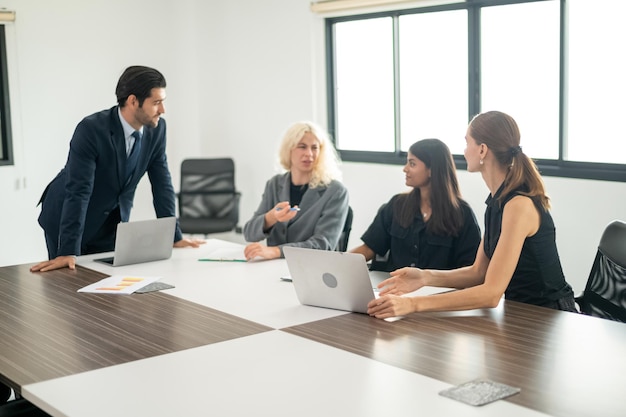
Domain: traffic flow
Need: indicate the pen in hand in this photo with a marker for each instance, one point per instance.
(291, 209)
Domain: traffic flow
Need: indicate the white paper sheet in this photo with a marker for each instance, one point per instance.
(234, 254)
(119, 284)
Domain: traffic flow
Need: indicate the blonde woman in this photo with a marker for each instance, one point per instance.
(307, 205)
(517, 256)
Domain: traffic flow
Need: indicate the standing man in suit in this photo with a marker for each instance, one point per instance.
(109, 153)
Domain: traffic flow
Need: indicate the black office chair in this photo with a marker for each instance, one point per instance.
(208, 201)
(342, 245)
(21, 408)
(605, 293)
(5, 393)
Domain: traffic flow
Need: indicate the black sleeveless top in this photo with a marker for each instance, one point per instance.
(538, 278)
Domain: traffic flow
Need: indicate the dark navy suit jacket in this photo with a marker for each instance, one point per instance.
(92, 184)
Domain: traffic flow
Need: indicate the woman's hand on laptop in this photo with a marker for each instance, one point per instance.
(189, 243)
(402, 281)
(56, 263)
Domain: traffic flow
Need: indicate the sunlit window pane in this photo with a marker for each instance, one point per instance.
(364, 85)
(520, 71)
(554, 65)
(433, 78)
(597, 87)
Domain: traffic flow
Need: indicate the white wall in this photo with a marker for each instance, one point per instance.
(239, 72)
(65, 59)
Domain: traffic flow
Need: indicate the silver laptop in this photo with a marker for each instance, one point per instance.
(338, 280)
(142, 241)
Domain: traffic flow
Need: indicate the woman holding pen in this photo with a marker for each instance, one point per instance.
(305, 206)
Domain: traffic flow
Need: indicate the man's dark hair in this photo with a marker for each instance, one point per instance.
(138, 81)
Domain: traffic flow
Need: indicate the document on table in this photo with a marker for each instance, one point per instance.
(234, 254)
(119, 284)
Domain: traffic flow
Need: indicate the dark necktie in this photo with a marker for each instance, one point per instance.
(133, 157)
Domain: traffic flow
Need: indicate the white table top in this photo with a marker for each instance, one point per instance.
(268, 374)
(250, 290)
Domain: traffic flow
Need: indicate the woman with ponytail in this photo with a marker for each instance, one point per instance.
(517, 256)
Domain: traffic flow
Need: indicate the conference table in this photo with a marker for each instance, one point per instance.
(232, 339)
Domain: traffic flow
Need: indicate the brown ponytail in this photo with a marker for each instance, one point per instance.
(501, 134)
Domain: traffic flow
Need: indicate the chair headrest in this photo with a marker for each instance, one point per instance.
(613, 242)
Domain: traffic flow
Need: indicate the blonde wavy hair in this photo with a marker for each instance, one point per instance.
(327, 164)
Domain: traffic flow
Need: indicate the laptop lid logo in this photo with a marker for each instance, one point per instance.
(329, 280)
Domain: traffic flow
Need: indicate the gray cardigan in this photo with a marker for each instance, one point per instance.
(317, 225)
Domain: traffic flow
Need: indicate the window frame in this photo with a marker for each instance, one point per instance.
(5, 108)
(548, 167)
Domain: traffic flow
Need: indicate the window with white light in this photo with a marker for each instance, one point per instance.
(554, 65)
